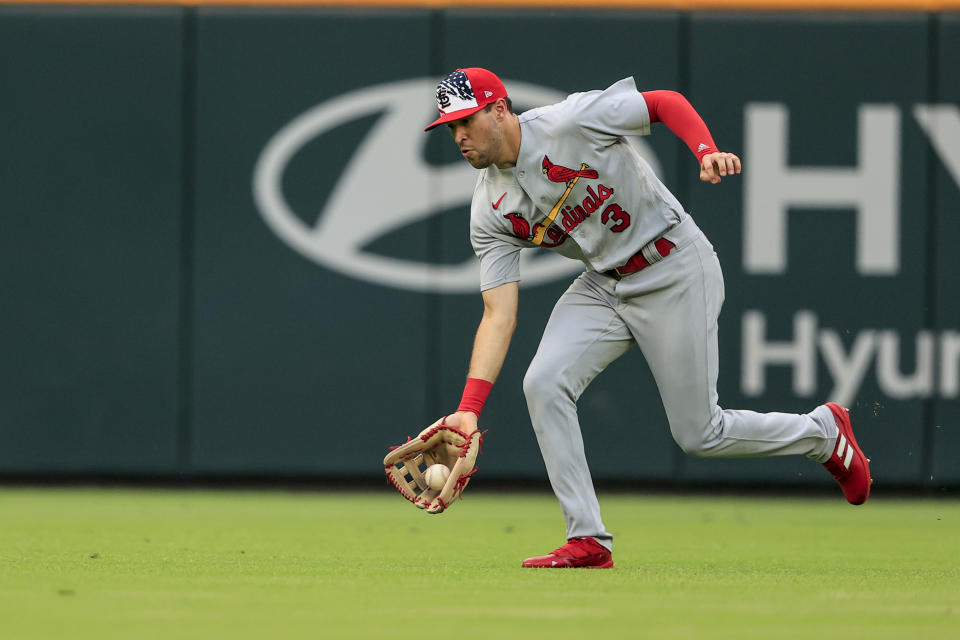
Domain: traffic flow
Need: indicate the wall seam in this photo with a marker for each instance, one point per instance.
(188, 92)
(931, 316)
(433, 325)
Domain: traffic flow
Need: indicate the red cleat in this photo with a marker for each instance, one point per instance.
(585, 553)
(847, 463)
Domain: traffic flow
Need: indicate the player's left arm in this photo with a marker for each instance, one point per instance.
(675, 111)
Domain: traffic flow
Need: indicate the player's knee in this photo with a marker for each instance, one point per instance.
(692, 442)
(698, 434)
(541, 383)
(694, 448)
(534, 384)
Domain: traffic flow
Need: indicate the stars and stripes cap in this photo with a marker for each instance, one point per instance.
(464, 92)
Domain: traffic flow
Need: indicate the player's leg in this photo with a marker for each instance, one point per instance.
(584, 334)
(672, 311)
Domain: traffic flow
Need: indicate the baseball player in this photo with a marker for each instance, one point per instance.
(565, 177)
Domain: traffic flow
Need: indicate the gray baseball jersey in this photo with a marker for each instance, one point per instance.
(616, 206)
(576, 168)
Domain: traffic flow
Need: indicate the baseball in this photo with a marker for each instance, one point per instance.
(436, 476)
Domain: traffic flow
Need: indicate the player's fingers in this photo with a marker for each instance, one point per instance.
(718, 165)
(707, 171)
(729, 164)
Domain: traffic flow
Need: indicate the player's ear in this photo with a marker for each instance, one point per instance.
(500, 108)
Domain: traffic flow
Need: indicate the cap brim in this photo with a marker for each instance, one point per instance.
(454, 115)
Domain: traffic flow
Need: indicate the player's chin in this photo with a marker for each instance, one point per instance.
(477, 161)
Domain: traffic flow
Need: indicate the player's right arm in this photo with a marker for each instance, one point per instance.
(490, 346)
(495, 331)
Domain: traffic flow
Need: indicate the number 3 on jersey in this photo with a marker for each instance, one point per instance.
(620, 217)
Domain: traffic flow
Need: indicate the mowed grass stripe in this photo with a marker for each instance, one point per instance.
(121, 563)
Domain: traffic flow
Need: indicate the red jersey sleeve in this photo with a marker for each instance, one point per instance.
(673, 110)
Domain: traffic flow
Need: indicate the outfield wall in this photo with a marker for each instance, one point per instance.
(228, 247)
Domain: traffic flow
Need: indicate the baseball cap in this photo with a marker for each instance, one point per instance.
(464, 92)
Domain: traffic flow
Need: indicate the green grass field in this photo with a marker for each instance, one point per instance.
(86, 563)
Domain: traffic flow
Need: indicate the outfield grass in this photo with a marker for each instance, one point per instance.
(135, 564)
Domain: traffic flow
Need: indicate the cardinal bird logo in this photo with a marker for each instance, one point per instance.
(521, 228)
(559, 173)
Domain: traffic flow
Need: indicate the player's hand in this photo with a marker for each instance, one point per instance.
(466, 421)
(717, 165)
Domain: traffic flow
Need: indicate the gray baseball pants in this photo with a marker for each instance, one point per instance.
(669, 309)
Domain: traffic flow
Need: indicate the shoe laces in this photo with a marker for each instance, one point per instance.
(578, 548)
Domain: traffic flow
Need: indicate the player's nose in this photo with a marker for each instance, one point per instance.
(459, 133)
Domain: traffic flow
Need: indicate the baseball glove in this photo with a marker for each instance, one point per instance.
(437, 444)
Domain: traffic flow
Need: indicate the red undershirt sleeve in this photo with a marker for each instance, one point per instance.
(673, 110)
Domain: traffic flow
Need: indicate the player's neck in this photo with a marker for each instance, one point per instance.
(511, 144)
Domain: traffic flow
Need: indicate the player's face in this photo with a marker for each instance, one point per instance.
(480, 138)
